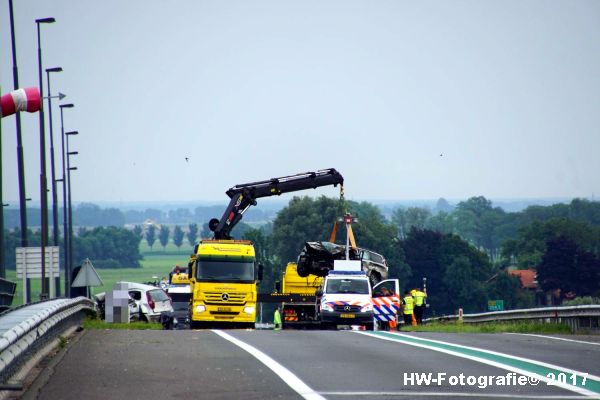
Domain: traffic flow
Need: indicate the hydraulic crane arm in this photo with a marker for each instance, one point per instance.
(245, 195)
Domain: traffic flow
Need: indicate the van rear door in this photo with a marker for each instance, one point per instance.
(386, 306)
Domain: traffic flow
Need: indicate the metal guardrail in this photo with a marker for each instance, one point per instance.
(577, 317)
(25, 329)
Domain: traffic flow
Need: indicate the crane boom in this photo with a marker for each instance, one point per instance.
(244, 195)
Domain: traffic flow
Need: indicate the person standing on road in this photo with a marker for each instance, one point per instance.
(277, 319)
(408, 303)
(419, 297)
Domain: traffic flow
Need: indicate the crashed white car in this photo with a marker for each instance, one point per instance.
(146, 302)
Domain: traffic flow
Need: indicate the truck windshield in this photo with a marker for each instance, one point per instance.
(357, 286)
(220, 270)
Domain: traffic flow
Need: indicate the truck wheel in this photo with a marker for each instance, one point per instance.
(328, 326)
(369, 327)
(194, 325)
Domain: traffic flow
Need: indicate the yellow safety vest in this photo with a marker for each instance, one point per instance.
(419, 298)
(408, 304)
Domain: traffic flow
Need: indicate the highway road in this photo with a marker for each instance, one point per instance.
(250, 364)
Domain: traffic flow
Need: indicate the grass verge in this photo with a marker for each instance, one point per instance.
(491, 327)
(90, 323)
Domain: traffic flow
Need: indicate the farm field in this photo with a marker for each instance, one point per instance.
(155, 263)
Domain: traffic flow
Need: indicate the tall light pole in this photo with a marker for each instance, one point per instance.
(2, 266)
(20, 163)
(43, 183)
(52, 164)
(70, 207)
(69, 169)
(54, 194)
(64, 182)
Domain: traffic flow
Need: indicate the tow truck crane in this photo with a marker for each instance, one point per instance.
(223, 271)
(243, 196)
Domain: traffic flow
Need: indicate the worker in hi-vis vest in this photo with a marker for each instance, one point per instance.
(419, 297)
(408, 304)
(277, 319)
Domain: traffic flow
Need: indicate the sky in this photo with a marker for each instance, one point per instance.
(180, 100)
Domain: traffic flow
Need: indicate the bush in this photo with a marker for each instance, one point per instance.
(581, 301)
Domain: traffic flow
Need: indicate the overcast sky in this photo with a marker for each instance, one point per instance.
(408, 100)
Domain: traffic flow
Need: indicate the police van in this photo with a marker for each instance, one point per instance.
(346, 296)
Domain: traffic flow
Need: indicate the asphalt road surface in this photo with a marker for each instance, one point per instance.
(107, 364)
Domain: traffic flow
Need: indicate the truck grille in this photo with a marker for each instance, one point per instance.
(217, 298)
(353, 309)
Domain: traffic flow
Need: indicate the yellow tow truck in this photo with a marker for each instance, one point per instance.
(224, 272)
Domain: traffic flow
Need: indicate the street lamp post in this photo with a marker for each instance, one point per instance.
(64, 182)
(43, 183)
(52, 164)
(69, 169)
(20, 163)
(2, 266)
(69, 206)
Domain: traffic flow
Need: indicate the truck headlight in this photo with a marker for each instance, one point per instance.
(200, 309)
(368, 307)
(326, 307)
(249, 310)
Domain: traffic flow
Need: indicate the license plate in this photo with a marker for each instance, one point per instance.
(346, 315)
(224, 309)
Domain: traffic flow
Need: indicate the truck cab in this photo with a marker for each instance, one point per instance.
(223, 279)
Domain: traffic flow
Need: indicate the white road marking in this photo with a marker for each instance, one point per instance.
(489, 362)
(553, 337)
(285, 374)
(528, 360)
(449, 394)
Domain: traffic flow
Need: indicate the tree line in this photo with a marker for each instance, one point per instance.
(462, 253)
(107, 247)
(462, 250)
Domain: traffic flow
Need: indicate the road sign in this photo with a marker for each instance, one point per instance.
(87, 276)
(29, 265)
(495, 305)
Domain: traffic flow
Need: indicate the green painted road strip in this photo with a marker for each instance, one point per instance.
(586, 384)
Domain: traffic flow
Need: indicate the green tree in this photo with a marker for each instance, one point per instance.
(151, 235)
(263, 247)
(178, 236)
(441, 222)
(163, 236)
(411, 217)
(530, 245)
(138, 232)
(303, 219)
(508, 288)
(450, 264)
(568, 267)
(192, 234)
(107, 247)
(476, 221)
